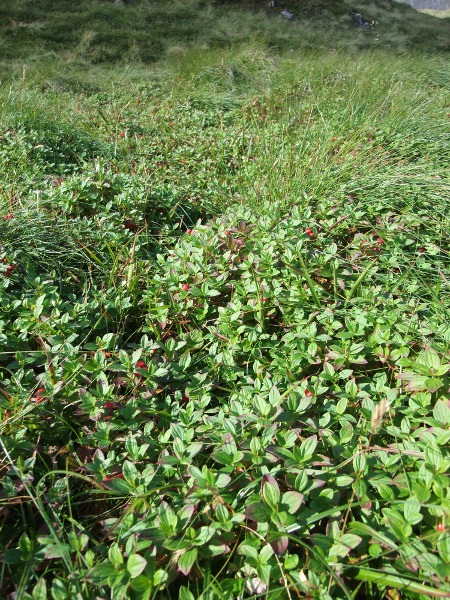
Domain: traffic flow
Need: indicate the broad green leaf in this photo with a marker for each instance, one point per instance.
(293, 500)
(115, 556)
(135, 565)
(308, 447)
(248, 551)
(141, 584)
(443, 547)
(185, 594)
(204, 534)
(167, 517)
(186, 560)
(441, 412)
(257, 511)
(397, 524)
(101, 573)
(58, 590)
(265, 553)
(411, 511)
(223, 457)
(270, 491)
(40, 590)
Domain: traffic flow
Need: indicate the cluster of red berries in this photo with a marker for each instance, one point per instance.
(8, 216)
(140, 365)
(10, 268)
(309, 232)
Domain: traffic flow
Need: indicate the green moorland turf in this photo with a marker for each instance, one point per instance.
(224, 302)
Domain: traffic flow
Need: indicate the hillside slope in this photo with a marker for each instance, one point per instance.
(102, 32)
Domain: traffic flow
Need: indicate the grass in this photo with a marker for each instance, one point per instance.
(224, 304)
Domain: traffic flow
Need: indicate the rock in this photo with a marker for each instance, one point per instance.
(288, 15)
(362, 22)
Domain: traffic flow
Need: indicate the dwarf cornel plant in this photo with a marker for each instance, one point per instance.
(224, 326)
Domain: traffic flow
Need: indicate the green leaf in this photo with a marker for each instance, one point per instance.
(359, 463)
(130, 473)
(441, 412)
(432, 384)
(411, 511)
(13, 556)
(58, 590)
(185, 594)
(115, 556)
(265, 553)
(168, 518)
(270, 491)
(293, 500)
(223, 457)
(257, 511)
(308, 447)
(343, 546)
(429, 358)
(443, 547)
(204, 534)
(120, 486)
(160, 576)
(397, 524)
(248, 551)
(135, 565)
(186, 560)
(141, 584)
(101, 573)
(40, 590)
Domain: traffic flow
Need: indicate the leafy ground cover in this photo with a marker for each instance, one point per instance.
(224, 328)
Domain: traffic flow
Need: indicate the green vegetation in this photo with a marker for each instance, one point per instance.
(224, 304)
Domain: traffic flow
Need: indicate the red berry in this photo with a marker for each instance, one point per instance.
(8, 216)
(185, 287)
(380, 241)
(265, 299)
(122, 134)
(308, 393)
(109, 405)
(130, 225)
(308, 230)
(440, 527)
(421, 250)
(227, 233)
(189, 231)
(141, 364)
(311, 235)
